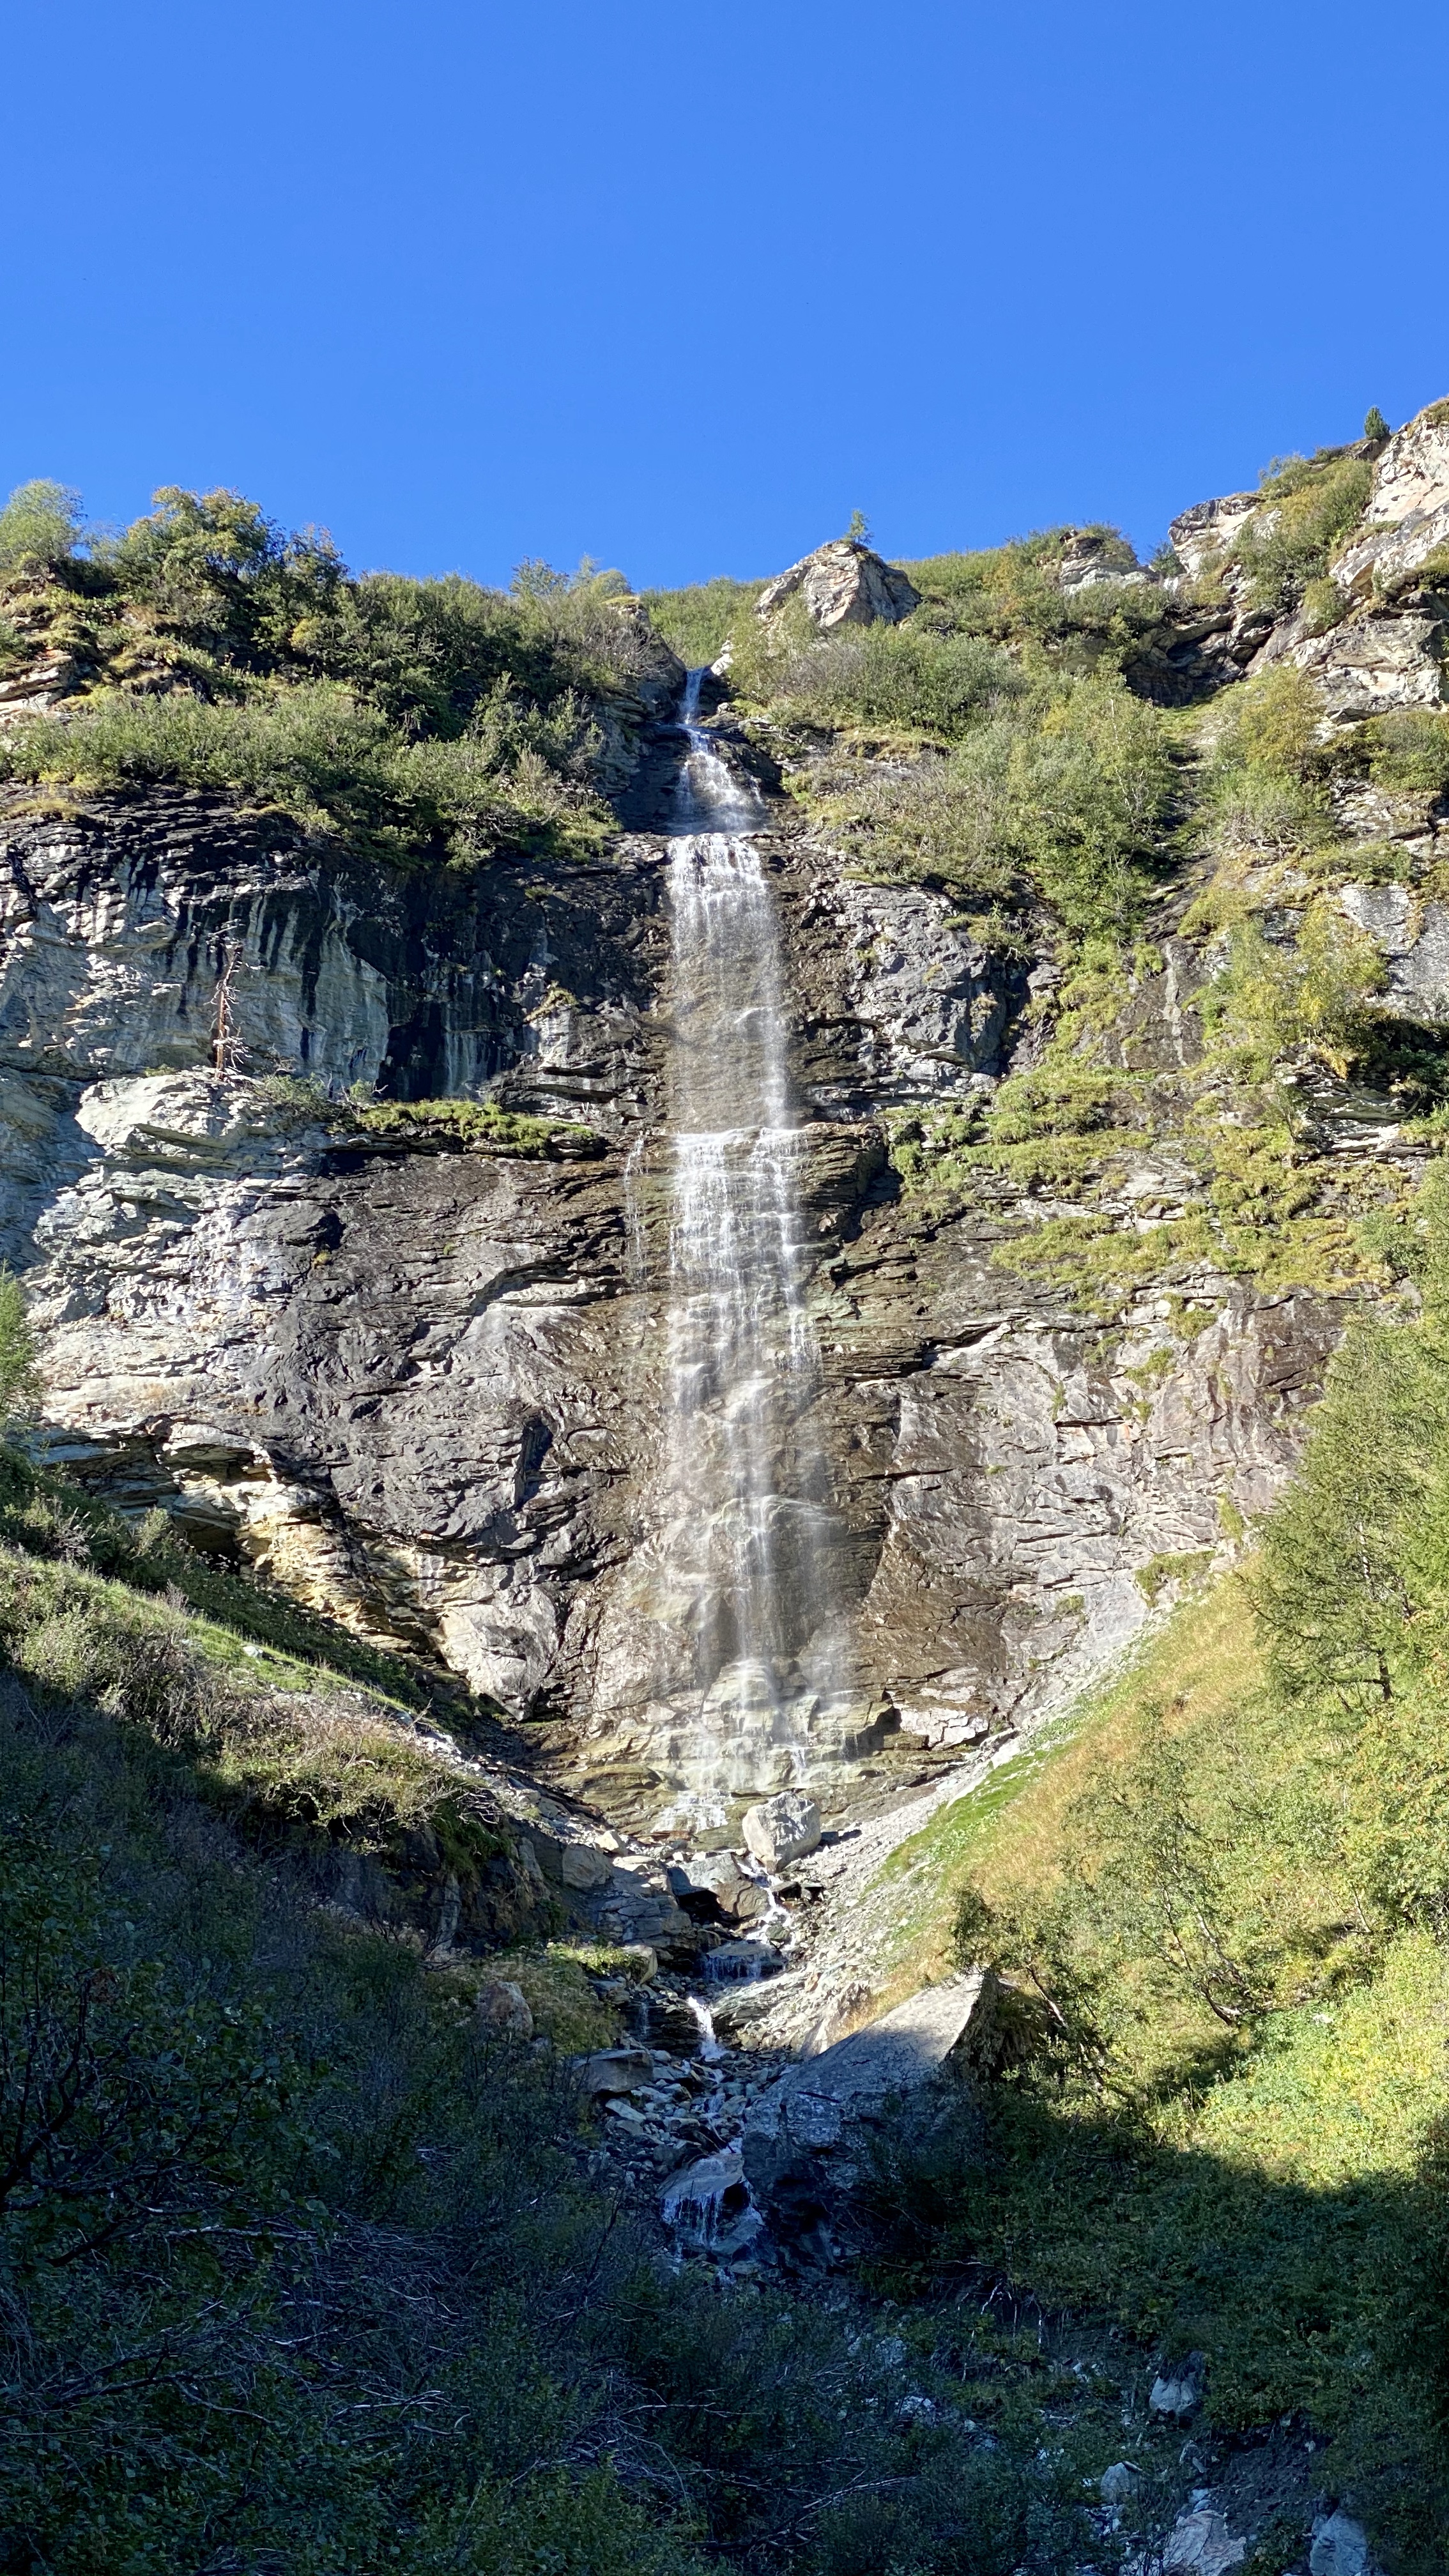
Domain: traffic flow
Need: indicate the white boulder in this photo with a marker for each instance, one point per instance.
(1200, 2544)
(844, 583)
(782, 1829)
(502, 2010)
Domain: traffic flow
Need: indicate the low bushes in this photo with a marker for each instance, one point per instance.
(208, 648)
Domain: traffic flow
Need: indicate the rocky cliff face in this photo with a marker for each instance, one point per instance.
(420, 1384)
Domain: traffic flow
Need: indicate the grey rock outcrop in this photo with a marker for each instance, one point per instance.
(807, 2142)
(1375, 662)
(1178, 2391)
(420, 1387)
(502, 2010)
(1388, 650)
(614, 2070)
(1407, 519)
(712, 1883)
(1091, 558)
(842, 584)
(1200, 536)
(1340, 2547)
(1200, 2544)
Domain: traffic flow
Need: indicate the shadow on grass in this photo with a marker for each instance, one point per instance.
(1330, 2306)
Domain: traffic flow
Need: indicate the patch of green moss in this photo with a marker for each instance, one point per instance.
(477, 1126)
(1188, 1567)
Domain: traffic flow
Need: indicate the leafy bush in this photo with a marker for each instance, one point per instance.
(299, 2270)
(1409, 749)
(1088, 790)
(326, 756)
(1267, 780)
(1316, 999)
(906, 676)
(1013, 595)
(39, 527)
(220, 652)
(928, 818)
(1308, 508)
(19, 1372)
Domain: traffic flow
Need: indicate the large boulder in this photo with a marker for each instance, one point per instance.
(1378, 660)
(809, 2140)
(502, 2010)
(782, 1828)
(614, 2070)
(1200, 2544)
(843, 584)
(1202, 535)
(1340, 2547)
(710, 1884)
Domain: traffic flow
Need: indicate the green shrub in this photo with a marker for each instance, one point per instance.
(1267, 780)
(327, 757)
(1013, 595)
(1374, 424)
(904, 676)
(39, 527)
(1308, 508)
(478, 1124)
(222, 653)
(1268, 1002)
(1409, 749)
(1088, 791)
(19, 1370)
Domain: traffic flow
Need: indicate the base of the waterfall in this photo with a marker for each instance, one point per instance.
(628, 1783)
(689, 1766)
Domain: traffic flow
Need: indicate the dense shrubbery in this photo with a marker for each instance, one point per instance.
(1012, 595)
(909, 677)
(1058, 794)
(39, 528)
(218, 652)
(299, 2272)
(988, 743)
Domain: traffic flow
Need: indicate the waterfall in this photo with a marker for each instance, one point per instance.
(743, 1517)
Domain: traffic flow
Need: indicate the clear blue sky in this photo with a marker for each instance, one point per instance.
(466, 281)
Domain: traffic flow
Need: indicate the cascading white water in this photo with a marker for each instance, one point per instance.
(744, 1517)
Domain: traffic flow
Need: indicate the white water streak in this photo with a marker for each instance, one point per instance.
(744, 1490)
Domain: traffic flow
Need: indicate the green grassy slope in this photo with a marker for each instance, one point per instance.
(1219, 1896)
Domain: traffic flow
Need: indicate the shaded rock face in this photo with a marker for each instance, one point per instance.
(842, 584)
(808, 2143)
(117, 925)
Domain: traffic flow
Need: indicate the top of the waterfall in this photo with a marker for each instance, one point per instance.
(842, 584)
